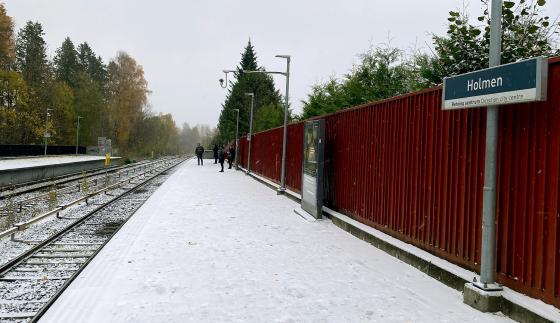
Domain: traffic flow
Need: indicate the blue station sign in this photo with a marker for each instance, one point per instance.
(521, 82)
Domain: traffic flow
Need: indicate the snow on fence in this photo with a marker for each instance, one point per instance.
(413, 171)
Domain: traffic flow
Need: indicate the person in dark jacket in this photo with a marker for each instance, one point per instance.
(198, 151)
(215, 149)
(222, 157)
(231, 155)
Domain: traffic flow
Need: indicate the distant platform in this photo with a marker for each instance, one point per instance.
(19, 170)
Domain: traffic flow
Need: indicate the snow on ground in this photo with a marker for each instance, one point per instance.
(221, 247)
(14, 163)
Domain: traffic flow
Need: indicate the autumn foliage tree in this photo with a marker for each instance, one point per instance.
(7, 40)
(112, 99)
(128, 95)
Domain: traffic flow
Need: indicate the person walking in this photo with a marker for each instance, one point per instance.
(215, 149)
(221, 157)
(231, 155)
(198, 151)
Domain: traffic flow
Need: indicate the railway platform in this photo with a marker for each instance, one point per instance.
(18, 170)
(222, 247)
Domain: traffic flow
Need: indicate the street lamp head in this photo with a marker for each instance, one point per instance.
(223, 83)
(250, 94)
(283, 56)
(236, 110)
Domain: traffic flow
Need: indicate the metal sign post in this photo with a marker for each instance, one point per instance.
(487, 270)
(101, 145)
(108, 147)
(47, 135)
(252, 95)
(520, 82)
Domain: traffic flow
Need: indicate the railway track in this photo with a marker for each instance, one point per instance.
(62, 181)
(30, 283)
(21, 206)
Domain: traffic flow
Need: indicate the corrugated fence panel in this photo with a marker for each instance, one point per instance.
(409, 169)
(528, 243)
(266, 154)
(294, 156)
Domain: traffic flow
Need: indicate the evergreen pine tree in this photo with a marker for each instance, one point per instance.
(31, 54)
(91, 64)
(66, 63)
(91, 95)
(261, 85)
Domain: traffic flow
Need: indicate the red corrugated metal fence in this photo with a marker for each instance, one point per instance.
(413, 171)
(266, 154)
(528, 246)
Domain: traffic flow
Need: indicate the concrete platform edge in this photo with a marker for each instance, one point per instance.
(30, 174)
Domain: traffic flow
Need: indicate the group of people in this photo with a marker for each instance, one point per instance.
(221, 154)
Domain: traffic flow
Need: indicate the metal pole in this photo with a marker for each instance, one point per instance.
(250, 132)
(285, 137)
(487, 266)
(236, 139)
(46, 130)
(77, 134)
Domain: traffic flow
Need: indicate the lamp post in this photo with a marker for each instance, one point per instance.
(282, 188)
(252, 95)
(47, 134)
(78, 133)
(224, 83)
(236, 138)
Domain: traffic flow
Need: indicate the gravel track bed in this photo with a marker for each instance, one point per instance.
(42, 187)
(43, 204)
(52, 225)
(15, 195)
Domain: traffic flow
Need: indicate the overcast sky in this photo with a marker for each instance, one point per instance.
(183, 45)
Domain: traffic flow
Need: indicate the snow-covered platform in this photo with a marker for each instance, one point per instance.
(28, 169)
(221, 247)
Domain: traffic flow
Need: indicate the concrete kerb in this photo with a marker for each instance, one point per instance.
(449, 274)
(272, 185)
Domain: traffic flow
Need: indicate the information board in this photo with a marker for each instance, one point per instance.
(312, 177)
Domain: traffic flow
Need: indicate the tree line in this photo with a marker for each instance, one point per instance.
(385, 71)
(111, 98)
